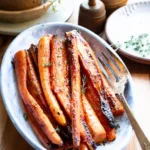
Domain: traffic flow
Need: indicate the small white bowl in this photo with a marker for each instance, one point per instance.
(132, 19)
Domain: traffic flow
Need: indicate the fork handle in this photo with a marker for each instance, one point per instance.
(143, 140)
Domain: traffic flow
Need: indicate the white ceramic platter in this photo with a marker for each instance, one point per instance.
(63, 12)
(11, 97)
(130, 20)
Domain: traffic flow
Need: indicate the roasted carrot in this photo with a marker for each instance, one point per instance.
(84, 131)
(33, 84)
(90, 63)
(20, 61)
(42, 137)
(97, 130)
(75, 91)
(83, 146)
(44, 71)
(60, 72)
(84, 134)
(34, 87)
(93, 99)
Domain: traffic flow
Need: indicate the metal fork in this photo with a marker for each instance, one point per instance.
(117, 75)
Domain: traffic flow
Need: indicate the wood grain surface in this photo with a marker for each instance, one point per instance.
(10, 139)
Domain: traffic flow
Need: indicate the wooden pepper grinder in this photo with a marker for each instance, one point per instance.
(92, 15)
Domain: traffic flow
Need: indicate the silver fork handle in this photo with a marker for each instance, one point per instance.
(143, 140)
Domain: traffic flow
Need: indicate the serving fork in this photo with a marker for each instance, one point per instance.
(117, 76)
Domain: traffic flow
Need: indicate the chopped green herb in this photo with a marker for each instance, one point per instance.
(54, 9)
(104, 142)
(57, 129)
(25, 116)
(48, 64)
(139, 44)
(117, 126)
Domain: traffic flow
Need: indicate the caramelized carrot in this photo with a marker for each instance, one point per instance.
(90, 64)
(42, 137)
(97, 130)
(75, 91)
(60, 72)
(33, 84)
(84, 131)
(84, 134)
(20, 61)
(34, 87)
(44, 70)
(93, 99)
(83, 146)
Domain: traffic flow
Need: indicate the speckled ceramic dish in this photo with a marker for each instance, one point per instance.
(130, 20)
(13, 101)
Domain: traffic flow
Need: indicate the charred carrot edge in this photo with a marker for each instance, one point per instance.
(83, 146)
(75, 90)
(116, 106)
(60, 72)
(44, 71)
(34, 53)
(97, 130)
(42, 137)
(93, 99)
(21, 73)
(33, 84)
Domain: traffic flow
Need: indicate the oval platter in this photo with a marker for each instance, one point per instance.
(12, 100)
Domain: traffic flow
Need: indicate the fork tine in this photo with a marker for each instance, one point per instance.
(104, 70)
(111, 58)
(105, 63)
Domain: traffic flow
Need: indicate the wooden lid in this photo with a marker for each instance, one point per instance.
(97, 11)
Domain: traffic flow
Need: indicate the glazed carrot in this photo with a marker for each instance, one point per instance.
(74, 68)
(93, 99)
(84, 134)
(33, 84)
(60, 72)
(97, 130)
(44, 71)
(75, 90)
(42, 137)
(83, 146)
(91, 70)
(35, 89)
(20, 61)
(87, 54)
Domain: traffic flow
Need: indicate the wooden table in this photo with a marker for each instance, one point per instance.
(10, 139)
